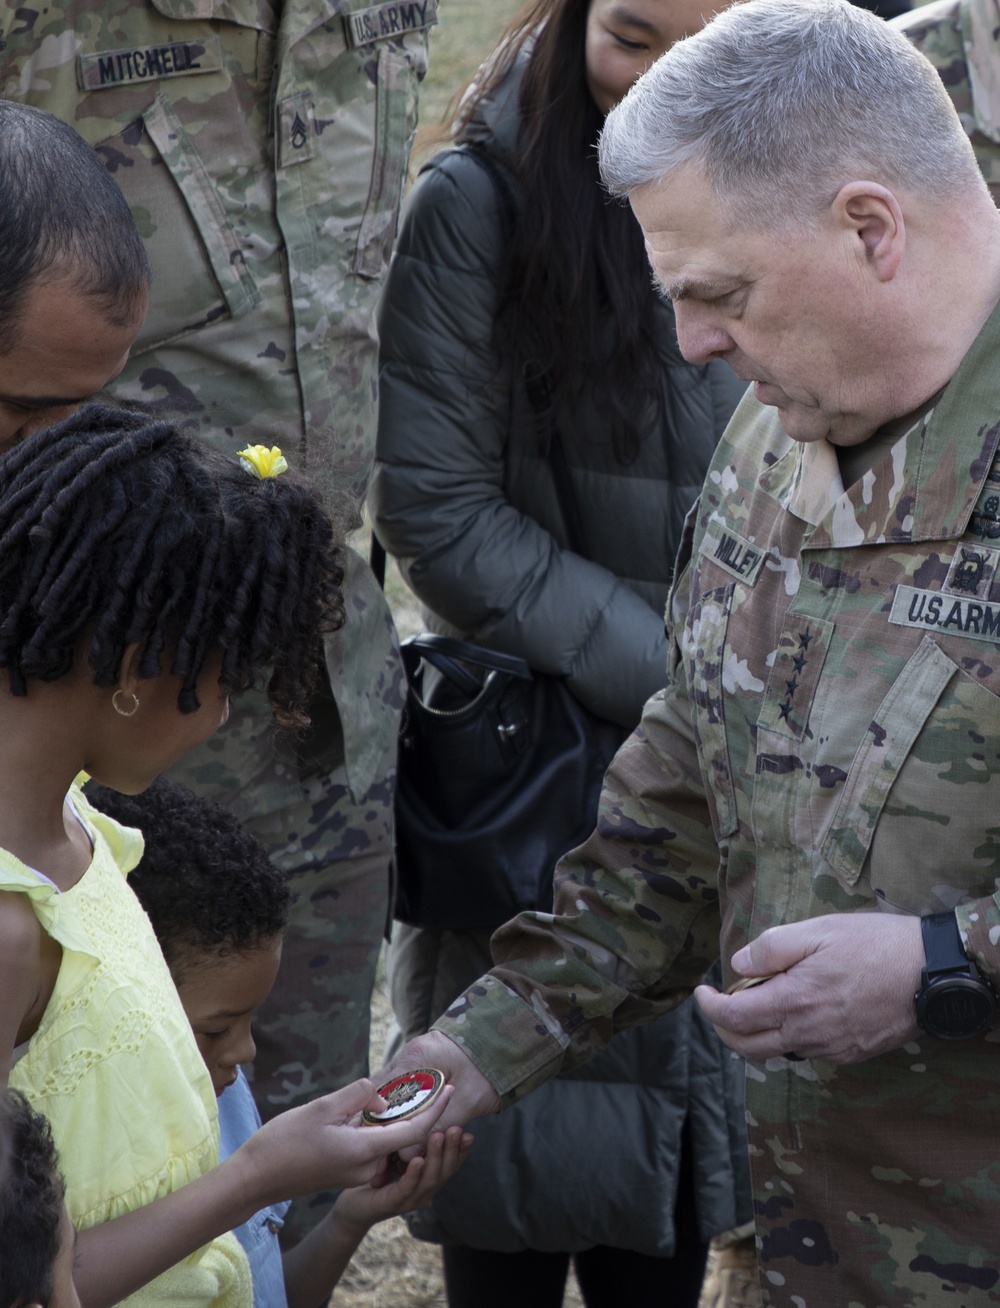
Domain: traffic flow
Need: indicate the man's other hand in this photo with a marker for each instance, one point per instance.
(839, 988)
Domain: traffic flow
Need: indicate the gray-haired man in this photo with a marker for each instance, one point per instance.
(816, 793)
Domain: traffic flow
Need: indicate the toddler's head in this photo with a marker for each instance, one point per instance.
(37, 1239)
(218, 906)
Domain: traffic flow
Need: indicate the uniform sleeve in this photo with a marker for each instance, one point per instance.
(979, 923)
(438, 501)
(636, 921)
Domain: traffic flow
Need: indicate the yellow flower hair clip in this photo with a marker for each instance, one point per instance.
(262, 462)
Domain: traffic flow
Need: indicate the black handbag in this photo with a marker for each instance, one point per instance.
(500, 771)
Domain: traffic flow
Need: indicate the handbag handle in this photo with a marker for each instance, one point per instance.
(448, 653)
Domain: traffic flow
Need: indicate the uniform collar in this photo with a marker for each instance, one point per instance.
(924, 487)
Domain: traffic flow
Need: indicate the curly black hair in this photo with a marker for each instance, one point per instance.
(119, 529)
(31, 1199)
(206, 884)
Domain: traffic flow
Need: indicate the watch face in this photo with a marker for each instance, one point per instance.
(956, 1008)
(407, 1095)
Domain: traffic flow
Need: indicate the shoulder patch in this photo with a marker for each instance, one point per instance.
(971, 572)
(395, 18)
(148, 63)
(736, 556)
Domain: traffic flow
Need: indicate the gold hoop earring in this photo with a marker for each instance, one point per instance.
(124, 713)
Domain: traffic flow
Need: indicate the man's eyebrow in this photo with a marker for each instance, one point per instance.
(691, 288)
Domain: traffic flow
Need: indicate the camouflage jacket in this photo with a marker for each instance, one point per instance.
(961, 38)
(262, 145)
(827, 743)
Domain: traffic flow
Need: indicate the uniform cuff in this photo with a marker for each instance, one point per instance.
(504, 1037)
(979, 923)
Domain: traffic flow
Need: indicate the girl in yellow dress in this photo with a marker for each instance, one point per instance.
(143, 579)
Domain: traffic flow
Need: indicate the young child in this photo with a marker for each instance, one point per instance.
(36, 1236)
(219, 907)
(142, 580)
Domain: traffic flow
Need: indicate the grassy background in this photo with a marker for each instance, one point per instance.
(466, 33)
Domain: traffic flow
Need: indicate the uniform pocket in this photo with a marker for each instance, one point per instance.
(199, 273)
(923, 792)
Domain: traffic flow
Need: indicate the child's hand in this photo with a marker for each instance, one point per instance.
(323, 1146)
(362, 1207)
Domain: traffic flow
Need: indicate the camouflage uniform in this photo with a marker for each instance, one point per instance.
(263, 146)
(961, 38)
(828, 744)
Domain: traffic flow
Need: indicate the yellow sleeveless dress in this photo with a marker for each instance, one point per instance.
(114, 1066)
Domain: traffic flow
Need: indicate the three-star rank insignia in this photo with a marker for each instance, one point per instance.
(802, 648)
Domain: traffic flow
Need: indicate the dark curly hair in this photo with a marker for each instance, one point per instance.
(206, 884)
(31, 1198)
(115, 529)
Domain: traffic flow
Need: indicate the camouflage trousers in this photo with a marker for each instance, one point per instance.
(312, 1032)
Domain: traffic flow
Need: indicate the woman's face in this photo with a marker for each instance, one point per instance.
(624, 37)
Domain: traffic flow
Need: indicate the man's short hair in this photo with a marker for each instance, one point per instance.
(62, 215)
(31, 1199)
(783, 101)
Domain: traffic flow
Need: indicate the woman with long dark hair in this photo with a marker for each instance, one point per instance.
(540, 441)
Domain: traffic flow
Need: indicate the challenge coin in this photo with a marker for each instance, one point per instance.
(406, 1096)
(748, 982)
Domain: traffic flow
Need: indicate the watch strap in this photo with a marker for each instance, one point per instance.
(943, 946)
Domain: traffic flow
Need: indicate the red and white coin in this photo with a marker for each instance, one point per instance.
(407, 1095)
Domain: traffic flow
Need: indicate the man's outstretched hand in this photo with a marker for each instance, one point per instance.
(473, 1096)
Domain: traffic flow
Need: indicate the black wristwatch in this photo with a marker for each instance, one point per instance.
(955, 1001)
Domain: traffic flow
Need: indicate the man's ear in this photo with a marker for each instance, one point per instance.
(873, 214)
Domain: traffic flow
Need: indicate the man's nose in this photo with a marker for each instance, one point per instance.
(700, 333)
